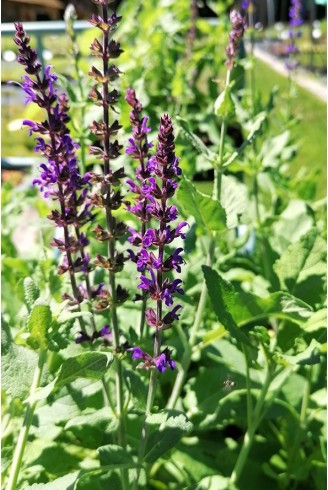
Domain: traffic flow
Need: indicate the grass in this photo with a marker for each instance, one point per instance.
(312, 129)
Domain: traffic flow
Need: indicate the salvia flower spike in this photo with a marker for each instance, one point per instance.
(108, 195)
(295, 21)
(59, 174)
(138, 149)
(153, 260)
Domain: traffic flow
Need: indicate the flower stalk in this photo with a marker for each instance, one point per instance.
(23, 435)
(231, 51)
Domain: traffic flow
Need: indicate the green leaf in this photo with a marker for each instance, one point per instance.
(233, 200)
(215, 482)
(194, 140)
(172, 426)
(293, 223)
(302, 260)
(224, 106)
(238, 308)
(317, 321)
(222, 296)
(114, 456)
(66, 482)
(311, 355)
(18, 365)
(136, 388)
(93, 428)
(91, 365)
(255, 129)
(31, 292)
(38, 323)
(208, 213)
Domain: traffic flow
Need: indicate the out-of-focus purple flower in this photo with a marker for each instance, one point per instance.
(105, 334)
(295, 21)
(295, 13)
(238, 29)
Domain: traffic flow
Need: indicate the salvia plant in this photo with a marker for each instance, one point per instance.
(164, 337)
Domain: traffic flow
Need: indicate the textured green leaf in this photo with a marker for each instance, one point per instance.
(137, 389)
(18, 365)
(224, 105)
(236, 309)
(92, 365)
(222, 296)
(31, 291)
(38, 323)
(311, 355)
(215, 482)
(172, 427)
(301, 260)
(317, 321)
(233, 200)
(66, 482)
(208, 213)
(115, 456)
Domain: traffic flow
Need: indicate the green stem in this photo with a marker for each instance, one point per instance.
(186, 358)
(22, 438)
(145, 429)
(248, 388)
(252, 71)
(302, 422)
(249, 436)
(111, 254)
(218, 168)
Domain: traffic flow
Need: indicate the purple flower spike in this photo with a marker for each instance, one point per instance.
(295, 21)
(59, 174)
(238, 29)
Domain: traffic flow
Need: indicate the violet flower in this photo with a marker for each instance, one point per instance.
(161, 362)
(59, 175)
(138, 149)
(105, 334)
(295, 21)
(158, 188)
(238, 29)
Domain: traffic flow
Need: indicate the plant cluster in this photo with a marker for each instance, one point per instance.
(145, 350)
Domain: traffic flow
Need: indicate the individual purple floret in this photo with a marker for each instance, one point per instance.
(105, 334)
(238, 29)
(161, 362)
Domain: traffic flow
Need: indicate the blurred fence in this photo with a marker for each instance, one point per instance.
(38, 30)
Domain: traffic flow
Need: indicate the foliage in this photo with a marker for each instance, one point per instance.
(246, 406)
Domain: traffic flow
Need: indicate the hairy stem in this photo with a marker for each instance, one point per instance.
(186, 359)
(111, 253)
(252, 427)
(22, 438)
(218, 169)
